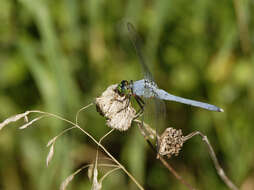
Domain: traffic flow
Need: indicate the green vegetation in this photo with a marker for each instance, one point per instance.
(58, 56)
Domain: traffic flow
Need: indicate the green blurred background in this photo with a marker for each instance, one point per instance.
(57, 56)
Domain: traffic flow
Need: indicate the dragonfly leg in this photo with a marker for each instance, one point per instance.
(141, 104)
(140, 99)
(127, 105)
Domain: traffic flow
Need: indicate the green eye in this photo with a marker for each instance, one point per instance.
(119, 88)
(122, 88)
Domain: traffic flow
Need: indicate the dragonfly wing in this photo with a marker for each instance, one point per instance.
(136, 41)
(146, 87)
(155, 115)
(162, 94)
(160, 119)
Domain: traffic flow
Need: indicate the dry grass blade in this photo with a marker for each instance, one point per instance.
(66, 182)
(90, 172)
(31, 122)
(52, 144)
(50, 154)
(26, 119)
(96, 185)
(52, 141)
(56, 137)
(14, 119)
(94, 140)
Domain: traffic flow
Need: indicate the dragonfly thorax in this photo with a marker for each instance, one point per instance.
(124, 88)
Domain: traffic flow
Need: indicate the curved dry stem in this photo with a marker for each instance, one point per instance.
(81, 109)
(96, 160)
(60, 134)
(169, 167)
(89, 165)
(108, 165)
(31, 122)
(108, 173)
(148, 132)
(219, 169)
(172, 170)
(104, 136)
(91, 137)
(105, 158)
(67, 180)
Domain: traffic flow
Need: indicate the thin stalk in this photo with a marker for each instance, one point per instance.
(219, 169)
(91, 137)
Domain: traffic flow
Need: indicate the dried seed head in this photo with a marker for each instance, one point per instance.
(116, 109)
(171, 142)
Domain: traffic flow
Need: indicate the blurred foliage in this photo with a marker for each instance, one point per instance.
(57, 56)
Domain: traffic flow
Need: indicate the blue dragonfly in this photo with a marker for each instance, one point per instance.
(147, 88)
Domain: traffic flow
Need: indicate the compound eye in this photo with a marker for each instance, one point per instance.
(122, 84)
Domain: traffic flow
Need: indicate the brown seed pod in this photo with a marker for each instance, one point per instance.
(171, 142)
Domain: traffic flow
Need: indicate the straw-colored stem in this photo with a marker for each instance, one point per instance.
(219, 169)
(91, 137)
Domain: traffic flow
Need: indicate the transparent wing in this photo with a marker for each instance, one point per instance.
(155, 110)
(136, 41)
(155, 115)
(160, 114)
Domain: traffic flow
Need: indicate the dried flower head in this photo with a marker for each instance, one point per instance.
(171, 142)
(116, 109)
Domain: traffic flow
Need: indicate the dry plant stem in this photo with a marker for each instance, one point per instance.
(69, 178)
(100, 143)
(91, 137)
(64, 131)
(108, 173)
(31, 122)
(148, 129)
(77, 115)
(108, 165)
(96, 160)
(101, 165)
(106, 135)
(219, 169)
(167, 165)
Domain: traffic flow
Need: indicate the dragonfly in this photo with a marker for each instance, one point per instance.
(147, 87)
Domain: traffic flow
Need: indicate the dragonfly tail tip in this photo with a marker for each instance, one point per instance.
(221, 110)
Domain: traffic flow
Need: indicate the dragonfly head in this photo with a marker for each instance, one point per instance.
(124, 88)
